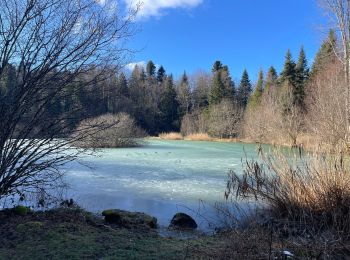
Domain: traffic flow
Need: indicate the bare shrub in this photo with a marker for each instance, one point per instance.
(327, 108)
(195, 122)
(311, 192)
(110, 131)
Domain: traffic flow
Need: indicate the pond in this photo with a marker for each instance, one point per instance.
(160, 178)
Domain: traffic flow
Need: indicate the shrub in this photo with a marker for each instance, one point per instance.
(314, 192)
(109, 131)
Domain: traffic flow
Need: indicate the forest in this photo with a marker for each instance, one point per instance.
(280, 108)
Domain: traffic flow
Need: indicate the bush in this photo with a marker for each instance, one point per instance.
(109, 131)
(314, 193)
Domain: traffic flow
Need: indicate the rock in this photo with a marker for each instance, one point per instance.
(129, 219)
(182, 221)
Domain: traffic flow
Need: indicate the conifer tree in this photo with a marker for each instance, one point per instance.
(326, 54)
(229, 85)
(161, 74)
(169, 106)
(244, 90)
(122, 86)
(184, 95)
(217, 91)
(150, 69)
(255, 98)
(271, 81)
(217, 66)
(302, 75)
(288, 75)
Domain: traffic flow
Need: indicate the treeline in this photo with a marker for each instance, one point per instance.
(279, 108)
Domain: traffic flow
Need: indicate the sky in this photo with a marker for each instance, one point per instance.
(189, 35)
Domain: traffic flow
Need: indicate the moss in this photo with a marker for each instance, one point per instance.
(129, 219)
(21, 210)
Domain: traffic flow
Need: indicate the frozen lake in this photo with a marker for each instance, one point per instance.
(161, 178)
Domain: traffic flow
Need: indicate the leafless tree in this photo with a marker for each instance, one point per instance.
(51, 43)
(339, 11)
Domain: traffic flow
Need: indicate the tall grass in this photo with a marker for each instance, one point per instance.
(198, 137)
(312, 191)
(171, 136)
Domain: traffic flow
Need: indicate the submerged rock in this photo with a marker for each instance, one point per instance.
(129, 219)
(182, 221)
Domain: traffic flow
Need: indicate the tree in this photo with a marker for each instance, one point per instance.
(184, 95)
(255, 98)
(217, 90)
(161, 74)
(288, 74)
(271, 81)
(169, 106)
(302, 75)
(244, 90)
(150, 69)
(325, 55)
(340, 10)
(51, 44)
(217, 66)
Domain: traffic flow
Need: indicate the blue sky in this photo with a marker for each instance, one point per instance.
(191, 34)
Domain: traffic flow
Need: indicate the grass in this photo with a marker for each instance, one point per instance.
(311, 193)
(171, 136)
(198, 137)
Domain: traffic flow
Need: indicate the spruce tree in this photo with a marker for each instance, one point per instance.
(244, 90)
(217, 91)
(271, 81)
(255, 98)
(288, 75)
(184, 95)
(161, 74)
(217, 66)
(150, 69)
(122, 86)
(229, 85)
(325, 55)
(169, 106)
(302, 75)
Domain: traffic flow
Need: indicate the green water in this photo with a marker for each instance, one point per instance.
(161, 178)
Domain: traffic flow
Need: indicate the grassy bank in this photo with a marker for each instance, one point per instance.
(72, 233)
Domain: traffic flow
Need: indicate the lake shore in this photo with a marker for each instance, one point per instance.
(73, 233)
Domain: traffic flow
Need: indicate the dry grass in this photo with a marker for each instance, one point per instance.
(198, 137)
(312, 190)
(171, 136)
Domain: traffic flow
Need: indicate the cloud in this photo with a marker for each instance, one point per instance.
(131, 66)
(156, 7)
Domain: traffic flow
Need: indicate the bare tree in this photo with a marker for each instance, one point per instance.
(340, 13)
(51, 43)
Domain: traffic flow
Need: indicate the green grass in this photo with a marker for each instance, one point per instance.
(69, 234)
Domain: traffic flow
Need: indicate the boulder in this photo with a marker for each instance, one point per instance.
(129, 219)
(182, 221)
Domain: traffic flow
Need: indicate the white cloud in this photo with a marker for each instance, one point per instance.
(156, 7)
(131, 66)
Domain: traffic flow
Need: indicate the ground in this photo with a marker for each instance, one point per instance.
(72, 233)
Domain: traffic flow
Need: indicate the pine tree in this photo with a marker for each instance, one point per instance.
(184, 95)
(326, 54)
(255, 98)
(150, 69)
(271, 81)
(302, 75)
(161, 74)
(229, 85)
(244, 90)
